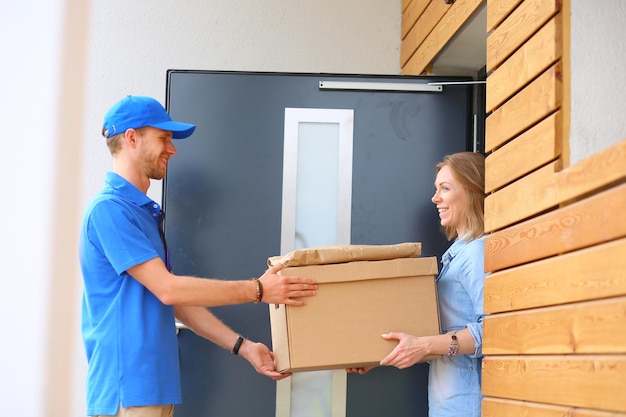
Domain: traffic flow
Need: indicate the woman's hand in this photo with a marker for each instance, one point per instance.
(409, 351)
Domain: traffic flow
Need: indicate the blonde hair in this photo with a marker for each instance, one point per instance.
(468, 168)
(114, 143)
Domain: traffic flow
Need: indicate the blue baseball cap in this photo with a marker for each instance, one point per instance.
(134, 112)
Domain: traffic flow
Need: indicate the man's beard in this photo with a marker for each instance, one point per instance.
(156, 173)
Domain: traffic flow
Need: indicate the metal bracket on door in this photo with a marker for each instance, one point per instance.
(373, 86)
(457, 82)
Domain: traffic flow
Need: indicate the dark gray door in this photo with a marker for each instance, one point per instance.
(223, 194)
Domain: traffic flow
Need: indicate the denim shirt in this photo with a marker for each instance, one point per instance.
(454, 383)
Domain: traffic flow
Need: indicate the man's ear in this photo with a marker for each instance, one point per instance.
(130, 137)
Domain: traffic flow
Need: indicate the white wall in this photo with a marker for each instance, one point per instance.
(598, 77)
(43, 55)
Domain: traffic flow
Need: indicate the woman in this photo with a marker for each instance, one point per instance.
(454, 378)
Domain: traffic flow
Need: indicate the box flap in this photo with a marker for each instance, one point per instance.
(280, 336)
(365, 270)
(322, 255)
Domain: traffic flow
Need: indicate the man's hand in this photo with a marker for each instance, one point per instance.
(278, 289)
(262, 359)
(360, 371)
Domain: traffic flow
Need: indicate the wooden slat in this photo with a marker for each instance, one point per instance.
(586, 327)
(517, 28)
(424, 25)
(589, 381)
(587, 274)
(520, 200)
(458, 14)
(594, 172)
(539, 99)
(588, 222)
(411, 14)
(546, 188)
(405, 4)
(495, 407)
(498, 10)
(529, 151)
(530, 60)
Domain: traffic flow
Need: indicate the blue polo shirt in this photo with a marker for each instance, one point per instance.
(129, 335)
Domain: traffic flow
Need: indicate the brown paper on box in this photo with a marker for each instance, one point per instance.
(347, 253)
(356, 302)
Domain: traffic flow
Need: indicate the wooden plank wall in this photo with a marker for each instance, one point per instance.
(555, 339)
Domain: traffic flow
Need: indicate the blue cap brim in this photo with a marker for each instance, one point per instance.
(179, 130)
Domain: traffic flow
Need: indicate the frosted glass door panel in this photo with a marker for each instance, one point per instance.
(317, 180)
(317, 185)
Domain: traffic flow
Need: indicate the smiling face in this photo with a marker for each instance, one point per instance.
(156, 148)
(451, 200)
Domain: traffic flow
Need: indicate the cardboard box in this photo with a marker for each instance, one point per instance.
(356, 302)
